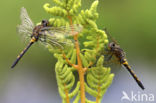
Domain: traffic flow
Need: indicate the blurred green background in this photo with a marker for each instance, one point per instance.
(131, 22)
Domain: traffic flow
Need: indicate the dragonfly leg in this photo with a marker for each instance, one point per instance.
(109, 58)
(44, 36)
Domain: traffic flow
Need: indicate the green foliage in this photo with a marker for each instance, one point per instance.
(93, 40)
(65, 80)
(98, 79)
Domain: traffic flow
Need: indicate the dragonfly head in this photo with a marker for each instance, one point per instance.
(111, 45)
(45, 23)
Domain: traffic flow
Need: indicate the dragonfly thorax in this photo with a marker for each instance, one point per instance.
(37, 31)
(117, 51)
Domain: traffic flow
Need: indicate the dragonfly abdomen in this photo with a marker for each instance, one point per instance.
(21, 54)
(133, 74)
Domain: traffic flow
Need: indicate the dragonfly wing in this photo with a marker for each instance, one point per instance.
(23, 32)
(110, 37)
(65, 30)
(26, 27)
(26, 19)
(55, 39)
(111, 60)
(60, 36)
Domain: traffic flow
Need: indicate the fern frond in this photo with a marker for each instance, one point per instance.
(65, 80)
(80, 56)
(56, 11)
(98, 79)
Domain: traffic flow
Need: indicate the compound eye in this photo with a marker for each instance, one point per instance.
(113, 45)
(43, 21)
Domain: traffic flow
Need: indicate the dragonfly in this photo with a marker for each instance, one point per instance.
(114, 49)
(44, 32)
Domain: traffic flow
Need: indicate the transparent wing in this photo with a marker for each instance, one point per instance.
(64, 30)
(56, 41)
(110, 37)
(26, 27)
(113, 62)
(59, 37)
(56, 38)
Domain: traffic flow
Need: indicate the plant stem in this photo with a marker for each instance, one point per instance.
(80, 70)
(68, 61)
(82, 88)
(99, 89)
(79, 66)
(66, 92)
(98, 95)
